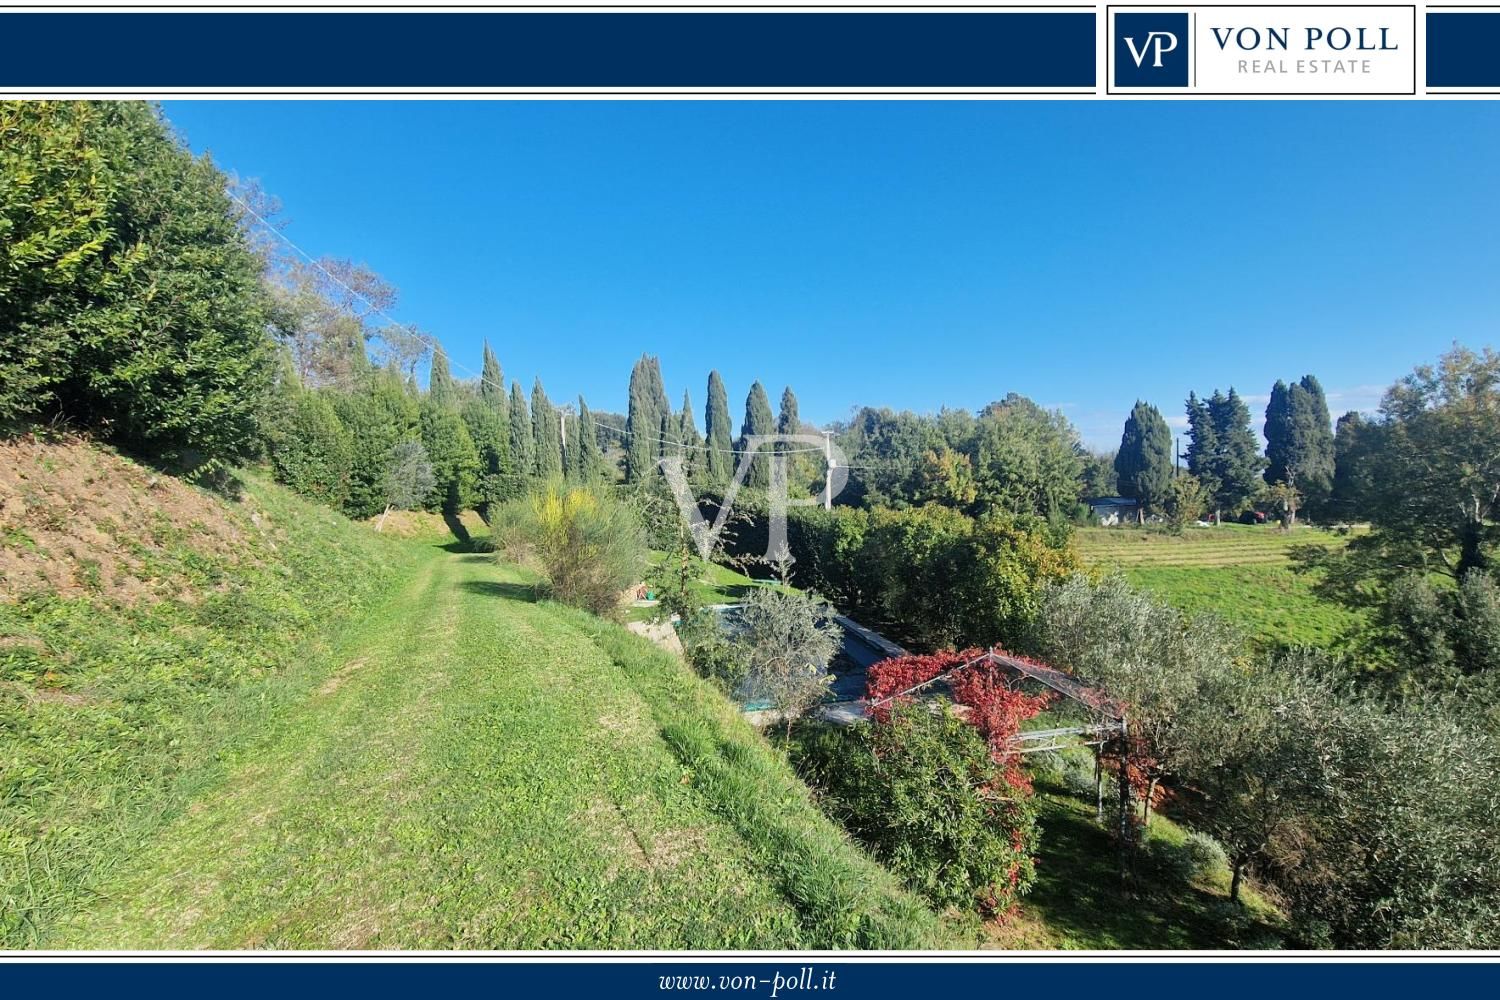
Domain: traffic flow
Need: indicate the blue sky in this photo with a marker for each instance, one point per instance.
(909, 254)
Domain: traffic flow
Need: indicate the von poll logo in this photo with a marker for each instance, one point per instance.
(1151, 50)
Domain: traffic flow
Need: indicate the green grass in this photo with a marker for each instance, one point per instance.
(466, 768)
(1242, 573)
(113, 716)
(1080, 900)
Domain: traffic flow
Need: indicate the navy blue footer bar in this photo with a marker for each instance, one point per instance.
(991, 49)
(750, 979)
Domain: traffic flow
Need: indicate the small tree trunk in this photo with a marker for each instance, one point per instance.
(1098, 788)
(1150, 794)
(1236, 879)
(383, 515)
(1126, 839)
(1140, 513)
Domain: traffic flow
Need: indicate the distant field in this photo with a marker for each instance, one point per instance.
(1240, 572)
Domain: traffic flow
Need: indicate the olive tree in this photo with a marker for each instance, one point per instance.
(408, 479)
(786, 640)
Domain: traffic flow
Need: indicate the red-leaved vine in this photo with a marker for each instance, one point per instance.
(989, 702)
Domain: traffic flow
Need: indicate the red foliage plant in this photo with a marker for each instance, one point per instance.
(985, 690)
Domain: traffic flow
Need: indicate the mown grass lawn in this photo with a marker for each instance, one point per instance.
(481, 771)
(1242, 573)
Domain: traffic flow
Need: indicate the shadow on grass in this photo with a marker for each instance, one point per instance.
(506, 590)
(1081, 897)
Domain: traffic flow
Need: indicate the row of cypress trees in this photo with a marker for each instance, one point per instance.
(653, 431)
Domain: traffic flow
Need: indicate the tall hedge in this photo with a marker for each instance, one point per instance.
(130, 297)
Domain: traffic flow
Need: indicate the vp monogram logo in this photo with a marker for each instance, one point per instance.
(1158, 43)
(1151, 50)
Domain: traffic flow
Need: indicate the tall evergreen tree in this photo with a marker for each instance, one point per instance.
(440, 384)
(642, 421)
(1144, 461)
(455, 460)
(379, 415)
(758, 421)
(522, 444)
(492, 382)
(718, 432)
(1354, 448)
(1224, 454)
(689, 438)
(487, 428)
(1299, 440)
(590, 457)
(660, 405)
(546, 427)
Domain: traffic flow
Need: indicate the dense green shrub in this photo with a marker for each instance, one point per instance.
(312, 451)
(455, 460)
(587, 547)
(921, 790)
(130, 298)
(887, 566)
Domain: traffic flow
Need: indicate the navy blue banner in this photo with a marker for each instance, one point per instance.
(750, 979)
(972, 51)
(1463, 49)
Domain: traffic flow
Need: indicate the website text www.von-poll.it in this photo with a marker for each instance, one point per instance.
(779, 984)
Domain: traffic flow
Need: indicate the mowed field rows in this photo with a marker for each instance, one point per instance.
(1242, 573)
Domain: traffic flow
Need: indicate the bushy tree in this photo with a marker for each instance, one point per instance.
(378, 413)
(408, 479)
(488, 428)
(920, 789)
(1028, 460)
(646, 406)
(314, 453)
(689, 438)
(130, 297)
(455, 460)
(55, 192)
(786, 640)
(1438, 466)
(1144, 461)
(591, 468)
(492, 381)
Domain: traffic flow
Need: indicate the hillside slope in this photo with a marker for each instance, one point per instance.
(264, 726)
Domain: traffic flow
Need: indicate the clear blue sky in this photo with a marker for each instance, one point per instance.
(909, 254)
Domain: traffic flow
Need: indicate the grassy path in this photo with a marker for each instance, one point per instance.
(484, 772)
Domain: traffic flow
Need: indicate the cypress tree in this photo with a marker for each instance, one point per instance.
(671, 447)
(455, 460)
(642, 422)
(546, 428)
(687, 434)
(719, 433)
(590, 457)
(440, 384)
(487, 428)
(1281, 446)
(492, 382)
(758, 421)
(522, 446)
(660, 405)
(1144, 461)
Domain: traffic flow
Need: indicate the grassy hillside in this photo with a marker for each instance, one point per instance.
(264, 726)
(145, 627)
(1240, 572)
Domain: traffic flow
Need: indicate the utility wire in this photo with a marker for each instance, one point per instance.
(432, 344)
